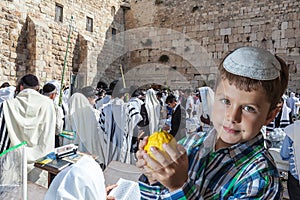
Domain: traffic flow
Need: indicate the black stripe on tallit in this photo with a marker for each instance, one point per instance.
(4, 139)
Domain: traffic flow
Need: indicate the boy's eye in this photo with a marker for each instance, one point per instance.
(225, 101)
(249, 109)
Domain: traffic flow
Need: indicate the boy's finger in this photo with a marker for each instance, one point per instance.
(174, 153)
(141, 163)
(163, 158)
(153, 164)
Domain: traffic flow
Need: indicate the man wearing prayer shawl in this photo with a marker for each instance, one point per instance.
(153, 109)
(135, 118)
(83, 119)
(117, 124)
(50, 91)
(29, 117)
(290, 150)
(113, 129)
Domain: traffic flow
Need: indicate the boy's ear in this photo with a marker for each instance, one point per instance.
(272, 114)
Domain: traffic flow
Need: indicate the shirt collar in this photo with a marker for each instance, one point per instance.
(176, 106)
(242, 152)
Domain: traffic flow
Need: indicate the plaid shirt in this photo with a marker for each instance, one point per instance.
(242, 171)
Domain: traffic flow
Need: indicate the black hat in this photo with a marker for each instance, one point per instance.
(88, 91)
(48, 88)
(29, 80)
(101, 85)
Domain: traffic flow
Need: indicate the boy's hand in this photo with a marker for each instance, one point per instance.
(170, 170)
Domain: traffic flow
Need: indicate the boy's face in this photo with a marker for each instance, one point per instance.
(238, 115)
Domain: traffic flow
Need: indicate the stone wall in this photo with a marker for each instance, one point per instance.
(216, 26)
(33, 42)
(173, 43)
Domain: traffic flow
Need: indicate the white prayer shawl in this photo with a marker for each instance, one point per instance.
(7, 93)
(83, 180)
(31, 117)
(59, 119)
(133, 109)
(113, 129)
(293, 131)
(84, 120)
(65, 99)
(285, 117)
(101, 103)
(207, 98)
(153, 109)
(74, 103)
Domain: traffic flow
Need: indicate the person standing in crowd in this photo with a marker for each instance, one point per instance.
(292, 102)
(115, 143)
(153, 109)
(207, 99)
(178, 118)
(100, 92)
(50, 91)
(7, 93)
(189, 102)
(29, 117)
(290, 151)
(83, 120)
(135, 114)
(282, 119)
(230, 160)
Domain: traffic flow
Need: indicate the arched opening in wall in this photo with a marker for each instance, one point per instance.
(164, 59)
(113, 11)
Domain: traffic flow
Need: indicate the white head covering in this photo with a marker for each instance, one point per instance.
(82, 180)
(7, 93)
(153, 109)
(253, 62)
(83, 119)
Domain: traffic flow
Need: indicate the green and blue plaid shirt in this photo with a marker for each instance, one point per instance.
(242, 171)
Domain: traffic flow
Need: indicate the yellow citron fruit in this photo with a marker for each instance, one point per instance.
(157, 139)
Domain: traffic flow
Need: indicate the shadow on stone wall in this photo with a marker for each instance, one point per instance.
(22, 59)
(111, 57)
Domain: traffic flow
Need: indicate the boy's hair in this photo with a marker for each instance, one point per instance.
(274, 89)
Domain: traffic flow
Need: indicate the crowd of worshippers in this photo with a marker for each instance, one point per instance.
(107, 121)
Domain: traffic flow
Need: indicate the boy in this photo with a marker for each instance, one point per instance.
(229, 161)
(178, 117)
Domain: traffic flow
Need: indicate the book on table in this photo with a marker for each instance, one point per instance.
(53, 166)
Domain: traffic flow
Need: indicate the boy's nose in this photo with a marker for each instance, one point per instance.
(234, 114)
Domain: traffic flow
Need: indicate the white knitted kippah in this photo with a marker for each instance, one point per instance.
(253, 62)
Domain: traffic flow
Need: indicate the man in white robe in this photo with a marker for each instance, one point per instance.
(83, 119)
(30, 117)
(50, 91)
(153, 109)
